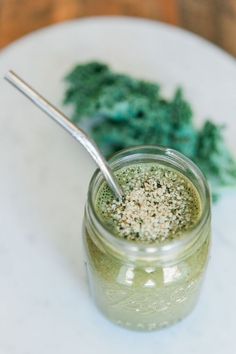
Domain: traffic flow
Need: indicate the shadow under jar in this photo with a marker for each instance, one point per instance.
(139, 285)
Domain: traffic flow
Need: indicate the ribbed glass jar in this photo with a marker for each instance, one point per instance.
(147, 286)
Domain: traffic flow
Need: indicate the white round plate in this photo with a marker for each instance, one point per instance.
(45, 306)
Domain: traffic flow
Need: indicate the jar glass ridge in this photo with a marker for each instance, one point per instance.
(147, 286)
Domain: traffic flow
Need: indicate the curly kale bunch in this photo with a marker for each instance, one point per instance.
(120, 111)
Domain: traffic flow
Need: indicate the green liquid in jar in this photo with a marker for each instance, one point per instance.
(147, 295)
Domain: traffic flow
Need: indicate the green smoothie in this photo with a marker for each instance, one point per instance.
(160, 206)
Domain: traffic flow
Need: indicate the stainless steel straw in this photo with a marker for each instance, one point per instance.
(65, 123)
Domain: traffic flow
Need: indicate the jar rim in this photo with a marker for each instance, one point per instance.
(153, 250)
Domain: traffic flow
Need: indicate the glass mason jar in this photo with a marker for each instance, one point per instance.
(147, 286)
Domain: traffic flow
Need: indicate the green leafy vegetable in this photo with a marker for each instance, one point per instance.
(120, 111)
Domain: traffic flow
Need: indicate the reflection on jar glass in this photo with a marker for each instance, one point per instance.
(147, 286)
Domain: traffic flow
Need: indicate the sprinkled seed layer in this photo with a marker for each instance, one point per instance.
(159, 204)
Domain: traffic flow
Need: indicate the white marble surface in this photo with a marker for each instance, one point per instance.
(44, 301)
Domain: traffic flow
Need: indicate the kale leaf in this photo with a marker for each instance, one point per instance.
(123, 111)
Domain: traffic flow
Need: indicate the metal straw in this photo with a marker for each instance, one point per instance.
(65, 123)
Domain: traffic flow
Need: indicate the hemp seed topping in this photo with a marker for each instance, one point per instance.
(158, 204)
